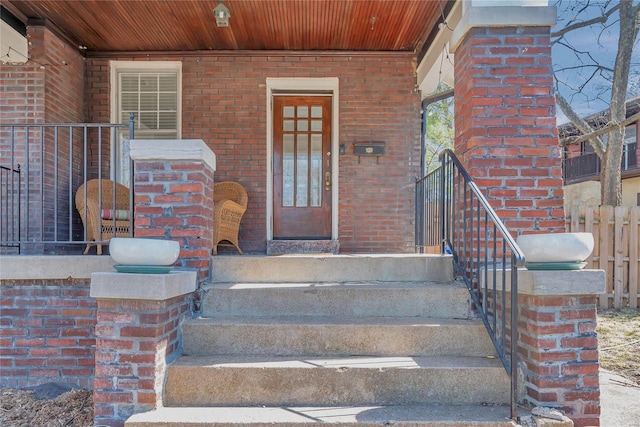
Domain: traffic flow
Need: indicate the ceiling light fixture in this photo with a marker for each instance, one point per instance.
(221, 12)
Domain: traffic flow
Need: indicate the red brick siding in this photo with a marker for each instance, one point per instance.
(559, 346)
(22, 101)
(47, 89)
(174, 200)
(505, 124)
(47, 333)
(135, 340)
(224, 103)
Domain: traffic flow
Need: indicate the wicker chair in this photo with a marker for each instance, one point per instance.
(230, 202)
(102, 221)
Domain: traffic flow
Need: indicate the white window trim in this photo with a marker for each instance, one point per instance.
(116, 67)
(295, 86)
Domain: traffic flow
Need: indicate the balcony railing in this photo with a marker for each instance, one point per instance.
(587, 166)
(42, 167)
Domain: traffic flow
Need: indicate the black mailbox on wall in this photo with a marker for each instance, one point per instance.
(368, 148)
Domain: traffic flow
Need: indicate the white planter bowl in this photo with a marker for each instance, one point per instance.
(135, 251)
(556, 247)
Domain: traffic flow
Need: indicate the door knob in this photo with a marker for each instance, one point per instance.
(327, 180)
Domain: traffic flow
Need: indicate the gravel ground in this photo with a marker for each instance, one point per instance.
(23, 408)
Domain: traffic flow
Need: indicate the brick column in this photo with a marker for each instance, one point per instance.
(173, 186)
(137, 336)
(558, 344)
(506, 132)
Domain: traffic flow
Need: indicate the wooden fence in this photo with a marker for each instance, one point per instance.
(616, 232)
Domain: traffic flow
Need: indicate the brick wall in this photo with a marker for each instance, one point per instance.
(47, 89)
(224, 103)
(136, 339)
(506, 126)
(559, 345)
(174, 200)
(47, 333)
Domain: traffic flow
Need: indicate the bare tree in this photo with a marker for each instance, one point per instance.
(592, 79)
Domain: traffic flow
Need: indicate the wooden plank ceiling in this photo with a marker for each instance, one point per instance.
(164, 25)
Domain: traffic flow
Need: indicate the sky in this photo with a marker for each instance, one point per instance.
(595, 44)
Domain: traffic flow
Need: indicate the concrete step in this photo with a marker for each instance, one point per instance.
(327, 336)
(362, 416)
(285, 381)
(332, 268)
(329, 299)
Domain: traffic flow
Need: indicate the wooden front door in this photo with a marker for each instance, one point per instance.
(302, 167)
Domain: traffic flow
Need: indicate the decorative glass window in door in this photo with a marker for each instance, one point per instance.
(302, 156)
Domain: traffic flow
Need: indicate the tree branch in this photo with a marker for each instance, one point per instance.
(601, 131)
(581, 124)
(600, 19)
(579, 67)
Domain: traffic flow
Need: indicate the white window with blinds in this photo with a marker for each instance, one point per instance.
(152, 92)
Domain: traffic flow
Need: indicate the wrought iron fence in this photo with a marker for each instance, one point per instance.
(53, 160)
(453, 214)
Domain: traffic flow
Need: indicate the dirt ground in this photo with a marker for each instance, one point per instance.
(619, 341)
(20, 408)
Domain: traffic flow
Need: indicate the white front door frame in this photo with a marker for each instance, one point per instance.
(305, 86)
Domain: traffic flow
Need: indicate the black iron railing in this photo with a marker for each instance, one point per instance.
(9, 208)
(587, 166)
(54, 159)
(453, 214)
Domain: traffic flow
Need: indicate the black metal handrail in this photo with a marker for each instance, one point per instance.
(453, 214)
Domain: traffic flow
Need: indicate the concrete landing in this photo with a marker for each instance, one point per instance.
(332, 268)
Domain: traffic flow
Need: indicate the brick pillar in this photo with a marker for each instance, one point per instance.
(173, 186)
(506, 132)
(137, 336)
(558, 344)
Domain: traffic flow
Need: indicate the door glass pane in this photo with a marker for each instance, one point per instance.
(303, 125)
(303, 111)
(316, 125)
(302, 171)
(288, 112)
(316, 112)
(316, 170)
(287, 169)
(287, 125)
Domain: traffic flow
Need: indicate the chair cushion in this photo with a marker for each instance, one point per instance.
(117, 214)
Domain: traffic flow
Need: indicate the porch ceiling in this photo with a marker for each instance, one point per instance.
(324, 25)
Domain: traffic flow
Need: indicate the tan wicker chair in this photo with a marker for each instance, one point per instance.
(98, 217)
(230, 203)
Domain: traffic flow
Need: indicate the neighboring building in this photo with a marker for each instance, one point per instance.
(581, 165)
